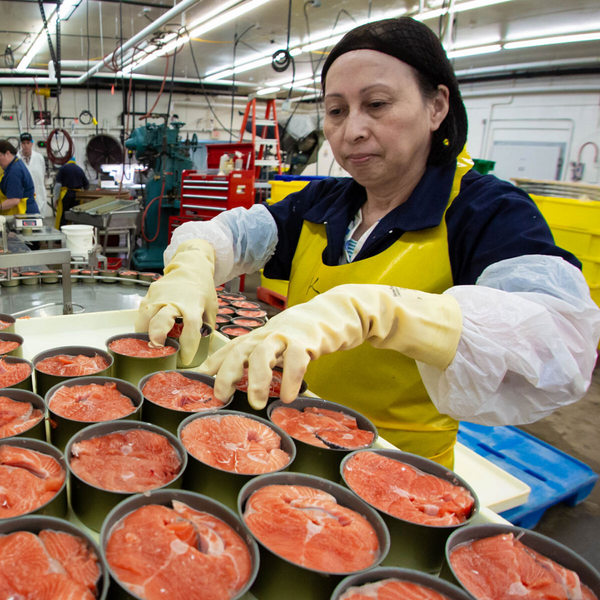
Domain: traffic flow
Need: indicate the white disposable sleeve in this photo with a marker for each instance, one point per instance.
(243, 239)
(528, 345)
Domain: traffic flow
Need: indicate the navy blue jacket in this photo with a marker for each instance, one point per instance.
(72, 176)
(490, 220)
(17, 183)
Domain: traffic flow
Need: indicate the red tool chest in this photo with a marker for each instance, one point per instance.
(205, 196)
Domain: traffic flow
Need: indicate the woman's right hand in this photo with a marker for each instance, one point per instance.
(186, 290)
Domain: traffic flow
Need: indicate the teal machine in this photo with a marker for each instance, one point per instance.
(161, 148)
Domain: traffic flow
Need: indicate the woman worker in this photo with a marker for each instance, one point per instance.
(421, 292)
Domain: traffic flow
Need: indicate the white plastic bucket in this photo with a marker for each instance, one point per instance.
(80, 238)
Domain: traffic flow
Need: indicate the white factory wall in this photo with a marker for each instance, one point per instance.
(526, 127)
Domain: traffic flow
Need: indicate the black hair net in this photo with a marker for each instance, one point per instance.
(415, 44)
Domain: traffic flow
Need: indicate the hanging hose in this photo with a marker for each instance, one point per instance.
(53, 158)
(159, 198)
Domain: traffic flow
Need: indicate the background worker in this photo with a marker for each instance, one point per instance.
(421, 293)
(37, 169)
(16, 184)
(69, 179)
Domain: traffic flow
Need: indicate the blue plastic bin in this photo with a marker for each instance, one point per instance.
(552, 475)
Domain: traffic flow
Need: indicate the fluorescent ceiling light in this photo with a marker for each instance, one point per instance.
(220, 75)
(265, 91)
(559, 39)
(461, 7)
(230, 15)
(474, 51)
(224, 14)
(67, 9)
(322, 43)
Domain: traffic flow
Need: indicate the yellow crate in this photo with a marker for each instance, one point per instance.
(595, 293)
(567, 212)
(282, 189)
(580, 242)
(279, 286)
(590, 268)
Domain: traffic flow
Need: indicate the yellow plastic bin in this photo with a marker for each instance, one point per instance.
(567, 212)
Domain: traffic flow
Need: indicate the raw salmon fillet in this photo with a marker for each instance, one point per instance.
(235, 443)
(391, 589)
(28, 479)
(222, 319)
(91, 403)
(16, 417)
(234, 331)
(226, 310)
(503, 568)
(13, 373)
(6, 347)
(405, 492)
(274, 389)
(308, 527)
(64, 365)
(126, 461)
(178, 392)
(250, 312)
(51, 566)
(248, 322)
(322, 427)
(222, 302)
(139, 348)
(4, 325)
(161, 553)
(244, 304)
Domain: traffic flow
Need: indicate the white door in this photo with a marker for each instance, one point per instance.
(530, 160)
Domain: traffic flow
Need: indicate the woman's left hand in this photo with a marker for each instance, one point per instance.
(423, 326)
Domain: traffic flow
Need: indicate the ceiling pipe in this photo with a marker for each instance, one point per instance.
(168, 16)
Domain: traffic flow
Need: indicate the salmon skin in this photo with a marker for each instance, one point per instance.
(309, 528)
(28, 480)
(391, 589)
(49, 566)
(91, 403)
(16, 417)
(6, 347)
(161, 553)
(139, 348)
(274, 388)
(4, 325)
(502, 567)
(406, 492)
(178, 392)
(10, 374)
(126, 461)
(235, 443)
(65, 365)
(322, 427)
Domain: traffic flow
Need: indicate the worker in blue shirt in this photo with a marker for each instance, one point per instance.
(421, 293)
(70, 177)
(16, 185)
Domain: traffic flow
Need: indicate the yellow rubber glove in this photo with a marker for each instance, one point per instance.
(422, 326)
(187, 290)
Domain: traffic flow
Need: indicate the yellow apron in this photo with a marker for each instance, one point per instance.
(59, 206)
(19, 209)
(384, 385)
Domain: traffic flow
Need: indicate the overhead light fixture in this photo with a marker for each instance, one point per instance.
(322, 43)
(225, 17)
(559, 39)
(474, 51)
(67, 8)
(473, 4)
(220, 75)
(240, 68)
(265, 91)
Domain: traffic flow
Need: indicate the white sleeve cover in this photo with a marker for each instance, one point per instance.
(528, 344)
(243, 239)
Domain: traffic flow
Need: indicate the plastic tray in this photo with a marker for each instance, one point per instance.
(552, 475)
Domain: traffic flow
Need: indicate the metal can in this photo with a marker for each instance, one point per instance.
(62, 429)
(12, 337)
(91, 503)
(278, 575)
(38, 431)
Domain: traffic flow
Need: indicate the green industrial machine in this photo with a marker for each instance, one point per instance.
(161, 148)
